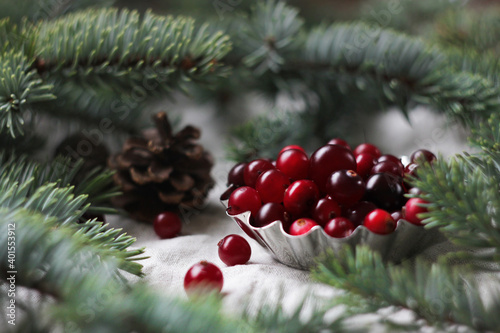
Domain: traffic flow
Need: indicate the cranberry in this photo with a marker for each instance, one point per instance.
(235, 176)
(387, 167)
(357, 212)
(365, 163)
(234, 250)
(300, 197)
(325, 210)
(254, 169)
(328, 159)
(340, 142)
(203, 276)
(291, 147)
(269, 213)
(422, 155)
(380, 222)
(244, 199)
(294, 163)
(413, 209)
(167, 225)
(301, 226)
(339, 227)
(385, 191)
(410, 171)
(367, 148)
(271, 186)
(345, 187)
(392, 158)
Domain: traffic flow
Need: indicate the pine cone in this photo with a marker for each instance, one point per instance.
(161, 171)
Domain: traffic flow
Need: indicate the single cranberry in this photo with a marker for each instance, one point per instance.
(291, 147)
(410, 172)
(269, 213)
(367, 148)
(357, 212)
(167, 225)
(234, 250)
(301, 226)
(271, 185)
(397, 215)
(387, 167)
(244, 199)
(422, 155)
(339, 227)
(345, 187)
(325, 210)
(254, 169)
(413, 208)
(365, 163)
(202, 277)
(294, 163)
(235, 175)
(392, 158)
(300, 197)
(380, 222)
(328, 159)
(385, 191)
(340, 142)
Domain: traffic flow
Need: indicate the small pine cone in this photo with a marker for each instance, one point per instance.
(161, 171)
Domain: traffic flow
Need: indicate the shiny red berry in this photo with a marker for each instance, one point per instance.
(367, 148)
(365, 163)
(244, 199)
(392, 158)
(380, 222)
(328, 159)
(357, 212)
(291, 147)
(422, 155)
(203, 276)
(325, 210)
(235, 175)
(271, 185)
(300, 197)
(339, 227)
(345, 187)
(340, 142)
(294, 163)
(385, 191)
(269, 213)
(167, 225)
(254, 169)
(234, 250)
(387, 167)
(413, 208)
(302, 226)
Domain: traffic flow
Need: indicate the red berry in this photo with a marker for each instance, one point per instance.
(269, 213)
(301, 226)
(367, 148)
(413, 209)
(357, 212)
(300, 197)
(234, 250)
(339, 227)
(294, 163)
(410, 171)
(325, 210)
(340, 142)
(203, 276)
(328, 159)
(291, 147)
(422, 155)
(385, 191)
(387, 167)
(380, 222)
(365, 163)
(345, 187)
(271, 186)
(244, 199)
(254, 169)
(235, 176)
(392, 158)
(167, 225)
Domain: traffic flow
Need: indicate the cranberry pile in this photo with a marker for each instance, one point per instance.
(336, 187)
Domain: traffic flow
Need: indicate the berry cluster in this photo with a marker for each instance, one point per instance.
(336, 187)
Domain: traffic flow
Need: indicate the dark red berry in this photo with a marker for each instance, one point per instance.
(300, 197)
(339, 227)
(203, 276)
(328, 159)
(244, 199)
(345, 187)
(234, 250)
(422, 155)
(357, 212)
(380, 222)
(410, 171)
(340, 142)
(325, 210)
(413, 208)
(269, 213)
(365, 163)
(294, 163)
(392, 158)
(235, 176)
(302, 226)
(254, 169)
(385, 191)
(367, 148)
(167, 225)
(291, 147)
(387, 167)
(271, 185)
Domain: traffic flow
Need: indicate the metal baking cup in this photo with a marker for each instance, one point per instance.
(300, 251)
